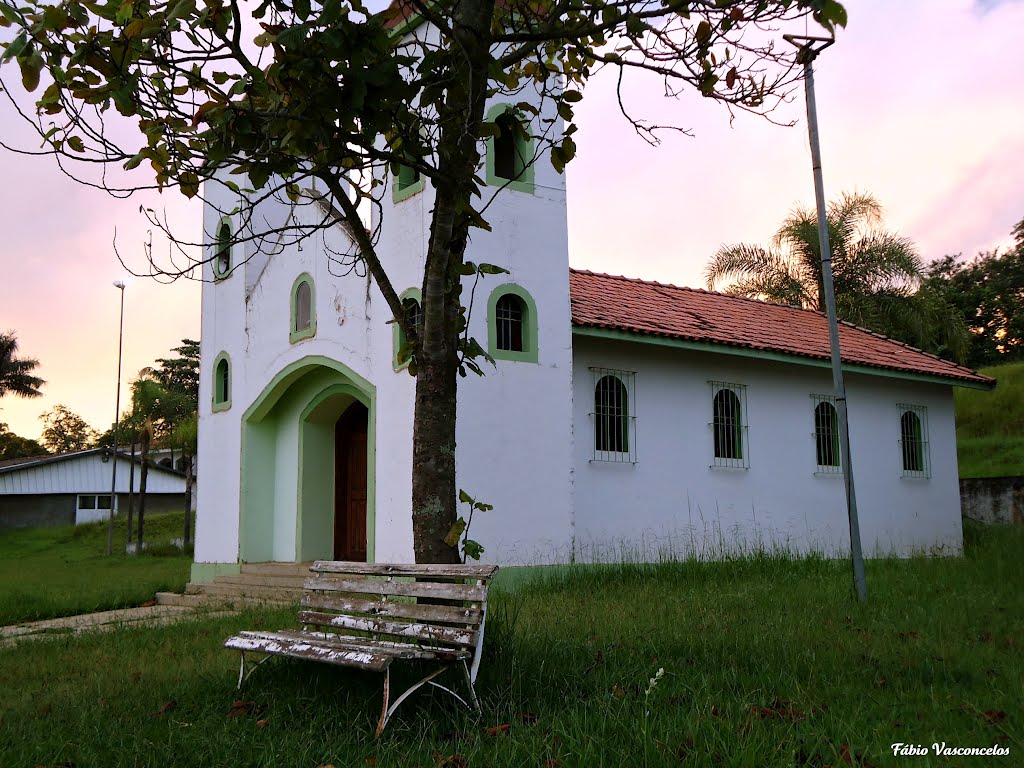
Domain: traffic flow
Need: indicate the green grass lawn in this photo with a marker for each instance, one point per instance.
(767, 662)
(990, 425)
(49, 572)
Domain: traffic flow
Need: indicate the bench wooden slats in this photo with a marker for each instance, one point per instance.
(404, 569)
(441, 591)
(430, 633)
(368, 615)
(450, 614)
(365, 658)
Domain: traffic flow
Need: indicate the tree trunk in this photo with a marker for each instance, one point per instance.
(433, 477)
(131, 493)
(189, 477)
(144, 476)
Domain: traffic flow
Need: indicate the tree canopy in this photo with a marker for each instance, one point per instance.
(65, 431)
(989, 291)
(14, 446)
(16, 376)
(318, 105)
(877, 275)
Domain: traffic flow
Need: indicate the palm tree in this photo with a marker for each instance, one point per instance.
(877, 275)
(15, 372)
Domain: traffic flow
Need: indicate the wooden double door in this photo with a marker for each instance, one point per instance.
(350, 491)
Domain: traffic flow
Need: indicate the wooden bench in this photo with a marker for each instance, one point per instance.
(367, 615)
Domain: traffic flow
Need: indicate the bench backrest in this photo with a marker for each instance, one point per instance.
(430, 605)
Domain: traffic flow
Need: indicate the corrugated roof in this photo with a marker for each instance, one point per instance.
(16, 465)
(691, 314)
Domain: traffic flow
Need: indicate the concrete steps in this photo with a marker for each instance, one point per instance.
(272, 583)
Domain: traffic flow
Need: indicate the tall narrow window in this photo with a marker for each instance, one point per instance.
(222, 253)
(727, 426)
(414, 317)
(221, 382)
(914, 441)
(509, 150)
(614, 431)
(408, 181)
(508, 314)
(303, 303)
(826, 435)
(509, 162)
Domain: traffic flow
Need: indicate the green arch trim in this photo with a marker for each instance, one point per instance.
(294, 334)
(525, 145)
(217, 404)
(397, 336)
(530, 350)
(219, 245)
(256, 541)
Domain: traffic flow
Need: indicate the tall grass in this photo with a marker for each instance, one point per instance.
(50, 572)
(990, 425)
(768, 661)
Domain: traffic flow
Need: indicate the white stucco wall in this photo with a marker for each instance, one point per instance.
(673, 502)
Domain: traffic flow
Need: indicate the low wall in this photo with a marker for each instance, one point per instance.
(993, 500)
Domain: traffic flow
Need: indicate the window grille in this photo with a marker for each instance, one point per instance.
(508, 315)
(509, 149)
(613, 414)
(413, 313)
(728, 425)
(914, 441)
(826, 435)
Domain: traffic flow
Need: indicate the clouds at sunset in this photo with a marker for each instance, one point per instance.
(920, 103)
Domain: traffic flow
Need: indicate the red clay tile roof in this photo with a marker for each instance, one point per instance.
(656, 309)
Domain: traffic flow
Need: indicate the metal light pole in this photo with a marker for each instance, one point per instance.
(810, 47)
(117, 418)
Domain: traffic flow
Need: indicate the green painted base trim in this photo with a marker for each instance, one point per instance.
(205, 573)
(759, 354)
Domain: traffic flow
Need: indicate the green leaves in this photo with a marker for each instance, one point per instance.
(31, 66)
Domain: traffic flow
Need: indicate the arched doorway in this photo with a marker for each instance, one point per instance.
(350, 490)
(289, 507)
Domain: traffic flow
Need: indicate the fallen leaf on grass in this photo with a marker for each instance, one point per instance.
(371, 760)
(618, 691)
(495, 730)
(43, 712)
(172, 704)
(239, 708)
(452, 761)
(263, 723)
(994, 715)
(780, 709)
(147, 604)
(325, 766)
(551, 763)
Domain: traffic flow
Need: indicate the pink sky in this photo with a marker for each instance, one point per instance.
(920, 103)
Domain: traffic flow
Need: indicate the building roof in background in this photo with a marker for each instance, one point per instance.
(690, 314)
(13, 465)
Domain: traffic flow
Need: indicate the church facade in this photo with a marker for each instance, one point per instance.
(622, 418)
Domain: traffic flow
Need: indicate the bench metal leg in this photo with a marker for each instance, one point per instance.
(387, 712)
(469, 686)
(243, 675)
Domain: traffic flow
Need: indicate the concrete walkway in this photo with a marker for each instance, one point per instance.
(103, 621)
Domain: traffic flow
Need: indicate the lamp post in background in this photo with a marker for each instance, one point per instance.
(117, 418)
(810, 47)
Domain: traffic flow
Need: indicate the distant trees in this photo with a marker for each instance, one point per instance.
(16, 373)
(877, 274)
(14, 446)
(989, 291)
(65, 431)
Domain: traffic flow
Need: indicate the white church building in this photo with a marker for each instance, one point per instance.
(623, 418)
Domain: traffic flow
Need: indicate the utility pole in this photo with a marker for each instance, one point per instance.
(117, 418)
(809, 48)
